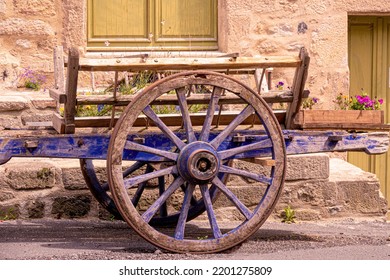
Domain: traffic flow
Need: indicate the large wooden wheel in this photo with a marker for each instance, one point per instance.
(198, 158)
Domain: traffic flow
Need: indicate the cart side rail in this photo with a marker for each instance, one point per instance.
(65, 92)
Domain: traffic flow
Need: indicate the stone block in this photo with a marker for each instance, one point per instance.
(28, 176)
(35, 209)
(43, 103)
(73, 179)
(307, 214)
(32, 7)
(71, 207)
(362, 197)
(20, 26)
(4, 196)
(10, 122)
(249, 195)
(307, 167)
(28, 117)
(12, 103)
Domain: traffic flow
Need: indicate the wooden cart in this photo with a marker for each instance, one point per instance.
(154, 160)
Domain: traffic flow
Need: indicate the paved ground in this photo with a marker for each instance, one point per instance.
(101, 240)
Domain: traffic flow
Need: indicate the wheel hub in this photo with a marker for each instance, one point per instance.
(198, 162)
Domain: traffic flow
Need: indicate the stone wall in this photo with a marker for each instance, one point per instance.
(316, 188)
(283, 26)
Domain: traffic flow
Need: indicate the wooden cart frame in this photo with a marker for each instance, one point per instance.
(186, 155)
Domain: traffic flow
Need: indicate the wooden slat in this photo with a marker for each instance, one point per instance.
(161, 64)
(346, 126)
(298, 87)
(59, 77)
(58, 123)
(57, 95)
(71, 90)
(229, 98)
(169, 120)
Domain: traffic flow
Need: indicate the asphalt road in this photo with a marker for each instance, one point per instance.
(105, 240)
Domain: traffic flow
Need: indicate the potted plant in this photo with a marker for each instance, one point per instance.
(359, 112)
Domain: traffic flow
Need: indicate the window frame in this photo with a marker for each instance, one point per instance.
(154, 41)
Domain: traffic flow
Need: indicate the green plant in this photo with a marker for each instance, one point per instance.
(203, 237)
(32, 79)
(308, 103)
(8, 214)
(288, 215)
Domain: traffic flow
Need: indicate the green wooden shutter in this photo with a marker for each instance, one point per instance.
(152, 25)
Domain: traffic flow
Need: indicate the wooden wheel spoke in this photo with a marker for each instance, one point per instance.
(164, 128)
(246, 148)
(141, 187)
(236, 122)
(243, 173)
(231, 196)
(131, 182)
(133, 168)
(181, 96)
(148, 215)
(180, 227)
(141, 148)
(194, 201)
(205, 133)
(210, 211)
(137, 165)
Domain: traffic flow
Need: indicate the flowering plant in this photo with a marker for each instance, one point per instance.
(32, 79)
(308, 103)
(359, 102)
(364, 102)
(279, 85)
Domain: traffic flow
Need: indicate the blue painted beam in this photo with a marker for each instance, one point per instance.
(95, 146)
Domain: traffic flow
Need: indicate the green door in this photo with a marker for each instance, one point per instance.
(369, 62)
(152, 25)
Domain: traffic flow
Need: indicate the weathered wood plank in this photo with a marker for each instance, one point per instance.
(59, 75)
(57, 95)
(298, 85)
(171, 120)
(346, 126)
(71, 90)
(182, 63)
(228, 98)
(79, 146)
(58, 123)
